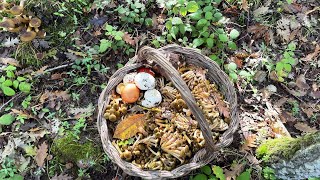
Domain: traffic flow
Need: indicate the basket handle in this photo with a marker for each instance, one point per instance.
(153, 55)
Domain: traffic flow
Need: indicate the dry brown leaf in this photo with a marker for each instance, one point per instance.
(128, 39)
(10, 61)
(244, 5)
(41, 154)
(302, 83)
(40, 71)
(22, 113)
(62, 94)
(305, 127)
(309, 109)
(312, 56)
(250, 142)
(130, 126)
(260, 31)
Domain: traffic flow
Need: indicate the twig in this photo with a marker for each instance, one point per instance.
(6, 103)
(59, 67)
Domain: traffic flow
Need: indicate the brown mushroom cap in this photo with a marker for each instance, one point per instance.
(41, 34)
(16, 10)
(7, 23)
(16, 29)
(35, 22)
(28, 36)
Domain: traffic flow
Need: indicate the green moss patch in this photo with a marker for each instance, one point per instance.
(274, 149)
(68, 148)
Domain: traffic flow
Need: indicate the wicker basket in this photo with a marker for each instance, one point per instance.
(159, 58)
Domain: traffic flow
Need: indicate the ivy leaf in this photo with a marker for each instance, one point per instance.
(208, 15)
(8, 91)
(195, 16)
(234, 34)
(287, 67)
(176, 20)
(7, 83)
(218, 171)
(15, 84)
(232, 45)
(200, 177)
(223, 37)
(206, 170)
(279, 66)
(201, 23)
(192, 6)
(118, 35)
(183, 11)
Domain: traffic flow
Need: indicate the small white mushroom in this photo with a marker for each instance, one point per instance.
(129, 78)
(152, 98)
(145, 81)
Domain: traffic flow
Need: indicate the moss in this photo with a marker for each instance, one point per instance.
(274, 149)
(26, 54)
(68, 148)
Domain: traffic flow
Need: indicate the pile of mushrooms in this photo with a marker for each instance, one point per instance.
(171, 135)
(28, 26)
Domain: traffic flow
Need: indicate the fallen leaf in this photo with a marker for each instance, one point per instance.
(22, 113)
(302, 83)
(286, 117)
(128, 39)
(130, 126)
(309, 109)
(305, 127)
(250, 142)
(41, 154)
(260, 11)
(244, 5)
(292, 8)
(10, 61)
(40, 71)
(260, 31)
(312, 56)
(236, 169)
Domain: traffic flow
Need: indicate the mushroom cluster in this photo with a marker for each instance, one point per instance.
(171, 135)
(28, 26)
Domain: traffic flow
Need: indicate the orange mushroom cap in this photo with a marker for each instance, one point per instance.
(130, 93)
(28, 36)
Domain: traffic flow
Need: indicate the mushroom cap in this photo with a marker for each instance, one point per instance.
(15, 29)
(16, 10)
(41, 34)
(35, 22)
(130, 93)
(145, 81)
(129, 78)
(7, 23)
(152, 98)
(28, 36)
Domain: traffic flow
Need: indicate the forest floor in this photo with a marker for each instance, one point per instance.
(50, 86)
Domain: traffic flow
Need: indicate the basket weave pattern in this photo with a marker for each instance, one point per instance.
(159, 58)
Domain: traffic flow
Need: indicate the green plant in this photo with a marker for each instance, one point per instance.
(295, 108)
(6, 119)
(234, 73)
(268, 173)
(195, 19)
(216, 173)
(26, 102)
(284, 66)
(8, 170)
(114, 41)
(10, 83)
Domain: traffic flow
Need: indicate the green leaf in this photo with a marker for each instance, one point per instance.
(6, 119)
(201, 23)
(209, 42)
(232, 45)
(104, 45)
(289, 1)
(10, 68)
(182, 29)
(169, 25)
(15, 84)
(292, 47)
(207, 8)
(200, 177)
(19, 78)
(223, 37)
(206, 170)
(148, 22)
(208, 15)
(7, 82)
(192, 6)
(176, 20)
(287, 67)
(8, 91)
(292, 61)
(118, 35)
(25, 87)
(233, 76)
(232, 66)
(2, 79)
(183, 11)
(217, 15)
(234, 34)
(279, 66)
(244, 176)
(10, 74)
(245, 74)
(197, 42)
(196, 16)
(218, 171)
(109, 28)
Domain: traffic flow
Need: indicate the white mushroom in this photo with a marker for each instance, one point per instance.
(129, 78)
(145, 81)
(151, 99)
